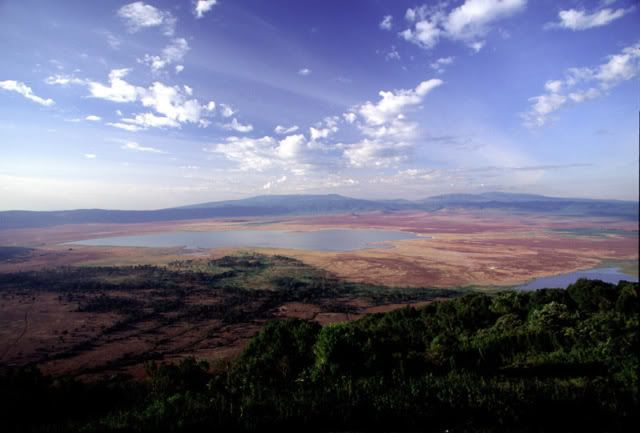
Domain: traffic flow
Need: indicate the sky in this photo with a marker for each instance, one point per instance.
(154, 104)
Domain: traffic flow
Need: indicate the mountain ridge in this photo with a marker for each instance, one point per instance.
(301, 204)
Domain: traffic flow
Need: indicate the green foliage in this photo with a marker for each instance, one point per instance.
(544, 361)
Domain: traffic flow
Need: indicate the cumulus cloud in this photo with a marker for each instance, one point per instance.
(118, 90)
(387, 137)
(93, 118)
(304, 72)
(234, 125)
(579, 19)
(132, 145)
(386, 23)
(349, 117)
(583, 84)
(201, 7)
(291, 146)
(393, 103)
(374, 153)
(174, 105)
(24, 90)
(282, 130)
(138, 15)
(469, 22)
(250, 153)
(172, 53)
(388, 134)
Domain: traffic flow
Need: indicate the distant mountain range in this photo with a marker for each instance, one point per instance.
(282, 205)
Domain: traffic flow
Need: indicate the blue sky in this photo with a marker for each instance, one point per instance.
(141, 105)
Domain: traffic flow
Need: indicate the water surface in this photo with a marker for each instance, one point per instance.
(321, 240)
(608, 275)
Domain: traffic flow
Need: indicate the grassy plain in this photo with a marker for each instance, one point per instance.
(90, 310)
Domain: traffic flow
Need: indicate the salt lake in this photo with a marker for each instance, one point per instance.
(320, 240)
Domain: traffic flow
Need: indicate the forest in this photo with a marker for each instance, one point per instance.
(551, 360)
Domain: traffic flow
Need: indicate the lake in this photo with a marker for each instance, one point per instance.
(609, 275)
(321, 240)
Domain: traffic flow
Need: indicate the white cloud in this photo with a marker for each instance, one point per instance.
(373, 153)
(426, 34)
(24, 90)
(90, 155)
(132, 145)
(584, 95)
(172, 53)
(394, 103)
(283, 130)
(271, 184)
(201, 7)
(93, 118)
(620, 67)
(349, 117)
(125, 126)
(469, 22)
(553, 86)
(150, 120)
(579, 19)
(304, 71)
(542, 106)
(138, 15)
(63, 80)
(387, 138)
(118, 89)
(292, 153)
(592, 83)
(250, 153)
(234, 125)
(316, 134)
(472, 18)
(291, 146)
(172, 102)
(227, 110)
(386, 23)
(477, 46)
(393, 54)
(179, 68)
(441, 64)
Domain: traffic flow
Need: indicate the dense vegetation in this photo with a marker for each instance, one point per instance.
(550, 360)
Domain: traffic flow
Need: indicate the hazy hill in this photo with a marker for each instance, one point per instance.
(274, 205)
(530, 203)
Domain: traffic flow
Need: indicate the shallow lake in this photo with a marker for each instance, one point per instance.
(321, 240)
(609, 275)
